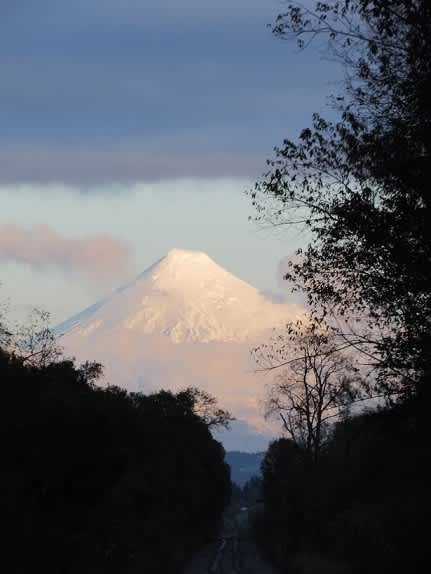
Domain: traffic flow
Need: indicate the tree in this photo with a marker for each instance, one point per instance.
(98, 478)
(316, 383)
(205, 407)
(34, 342)
(360, 185)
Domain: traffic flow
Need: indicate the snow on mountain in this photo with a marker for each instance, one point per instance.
(187, 297)
(184, 321)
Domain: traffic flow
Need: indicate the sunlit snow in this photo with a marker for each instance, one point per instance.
(184, 321)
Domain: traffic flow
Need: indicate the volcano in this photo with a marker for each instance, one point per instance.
(184, 321)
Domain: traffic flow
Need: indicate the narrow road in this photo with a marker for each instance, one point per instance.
(233, 553)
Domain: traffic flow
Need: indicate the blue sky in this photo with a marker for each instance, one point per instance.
(143, 121)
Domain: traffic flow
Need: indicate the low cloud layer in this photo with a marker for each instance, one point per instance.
(41, 246)
(86, 165)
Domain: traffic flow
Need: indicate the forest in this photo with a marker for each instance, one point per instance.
(346, 489)
(95, 479)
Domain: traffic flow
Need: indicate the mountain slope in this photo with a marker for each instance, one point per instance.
(187, 297)
(185, 321)
(244, 465)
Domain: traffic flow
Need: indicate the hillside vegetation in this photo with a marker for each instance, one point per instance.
(100, 480)
(353, 496)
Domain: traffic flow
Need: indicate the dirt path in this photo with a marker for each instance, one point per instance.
(233, 553)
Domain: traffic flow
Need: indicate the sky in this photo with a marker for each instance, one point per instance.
(129, 128)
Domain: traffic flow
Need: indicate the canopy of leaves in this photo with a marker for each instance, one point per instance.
(360, 186)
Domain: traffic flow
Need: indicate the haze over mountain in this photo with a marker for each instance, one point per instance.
(185, 321)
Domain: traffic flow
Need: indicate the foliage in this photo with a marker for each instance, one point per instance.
(316, 382)
(363, 506)
(360, 185)
(33, 341)
(252, 491)
(205, 406)
(100, 480)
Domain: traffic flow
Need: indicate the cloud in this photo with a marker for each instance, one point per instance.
(41, 247)
(87, 165)
(105, 91)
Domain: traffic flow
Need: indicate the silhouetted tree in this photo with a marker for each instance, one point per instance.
(364, 506)
(34, 340)
(315, 383)
(205, 406)
(252, 491)
(360, 188)
(101, 480)
(361, 185)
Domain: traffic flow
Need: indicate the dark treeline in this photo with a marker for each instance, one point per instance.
(364, 506)
(350, 493)
(248, 495)
(99, 480)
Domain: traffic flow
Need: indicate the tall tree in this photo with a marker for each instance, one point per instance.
(360, 185)
(315, 383)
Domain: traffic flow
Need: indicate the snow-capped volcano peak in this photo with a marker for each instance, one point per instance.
(185, 266)
(185, 321)
(178, 256)
(195, 274)
(187, 297)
